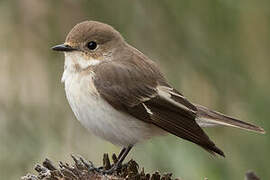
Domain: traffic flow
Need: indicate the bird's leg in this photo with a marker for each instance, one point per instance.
(121, 153)
(121, 157)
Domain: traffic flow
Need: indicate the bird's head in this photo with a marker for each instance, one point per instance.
(89, 43)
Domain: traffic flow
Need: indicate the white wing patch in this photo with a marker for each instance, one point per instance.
(147, 109)
(166, 93)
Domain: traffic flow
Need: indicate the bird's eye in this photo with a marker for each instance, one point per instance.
(92, 45)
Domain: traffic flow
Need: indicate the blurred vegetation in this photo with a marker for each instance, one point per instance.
(215, 52)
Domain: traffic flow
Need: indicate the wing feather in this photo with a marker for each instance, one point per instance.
(139, 89)
(179, 124)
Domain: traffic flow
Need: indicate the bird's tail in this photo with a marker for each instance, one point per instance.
(207, 117)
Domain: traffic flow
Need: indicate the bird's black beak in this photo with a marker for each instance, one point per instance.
(63, 47)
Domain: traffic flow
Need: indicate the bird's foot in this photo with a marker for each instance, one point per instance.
(113, 169)
(89, 165)
(117, 167)
(107, 168)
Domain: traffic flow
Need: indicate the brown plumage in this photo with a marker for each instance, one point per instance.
(128, 83)
(132, 84)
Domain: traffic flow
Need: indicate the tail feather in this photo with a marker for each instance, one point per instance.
(207, 117)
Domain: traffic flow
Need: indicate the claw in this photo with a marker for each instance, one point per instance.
(107, 168)
(109, 171)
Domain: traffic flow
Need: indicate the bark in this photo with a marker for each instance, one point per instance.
(83, 170)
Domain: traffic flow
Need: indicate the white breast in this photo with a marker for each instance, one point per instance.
(101, 118)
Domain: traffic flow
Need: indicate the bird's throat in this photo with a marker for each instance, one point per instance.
(76, 61)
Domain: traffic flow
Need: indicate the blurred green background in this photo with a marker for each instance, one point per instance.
(215, 52)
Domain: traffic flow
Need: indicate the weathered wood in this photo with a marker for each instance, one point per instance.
(82, 169)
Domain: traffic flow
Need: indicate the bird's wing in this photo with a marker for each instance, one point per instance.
(139, 89)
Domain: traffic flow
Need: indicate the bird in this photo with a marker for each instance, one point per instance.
(121, 95)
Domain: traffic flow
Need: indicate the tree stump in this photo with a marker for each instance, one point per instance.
(82, 170)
